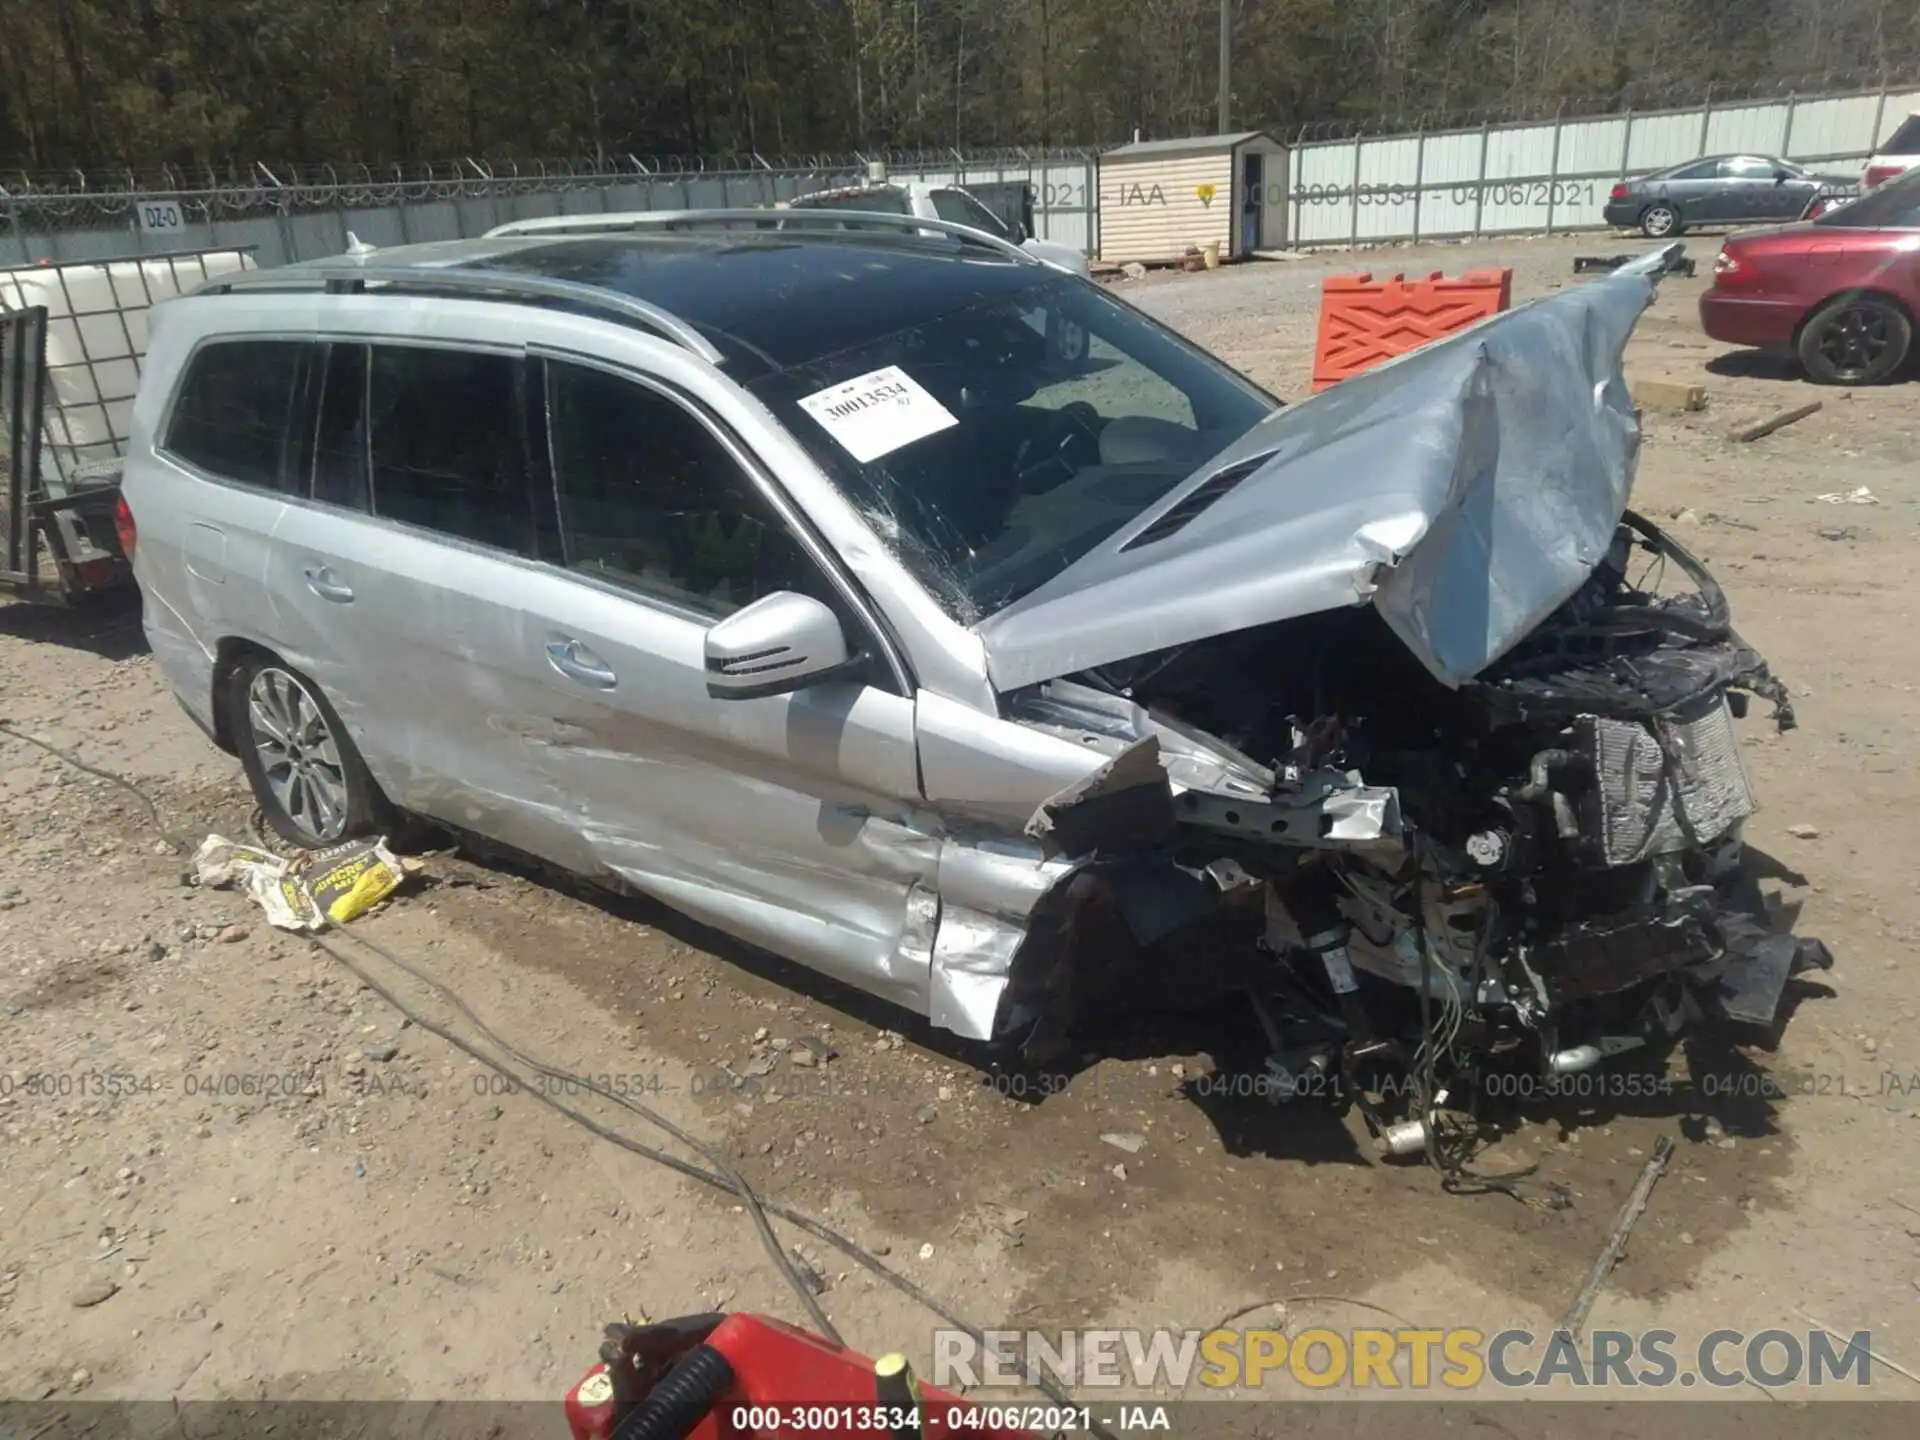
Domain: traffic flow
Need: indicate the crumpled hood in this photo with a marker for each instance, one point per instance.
(1466, 490)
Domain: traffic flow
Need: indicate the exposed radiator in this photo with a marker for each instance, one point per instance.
(1640, 806)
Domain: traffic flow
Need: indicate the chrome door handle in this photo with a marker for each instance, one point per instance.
(577, 662)
(320, 580)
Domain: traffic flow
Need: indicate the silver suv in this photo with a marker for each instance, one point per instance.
(793, 579)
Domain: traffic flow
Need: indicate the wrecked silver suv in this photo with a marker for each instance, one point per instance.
(794, 579)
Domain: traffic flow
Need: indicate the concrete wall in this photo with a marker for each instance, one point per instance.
(1554, 176)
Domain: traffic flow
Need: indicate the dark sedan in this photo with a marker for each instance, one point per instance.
(1719, 190)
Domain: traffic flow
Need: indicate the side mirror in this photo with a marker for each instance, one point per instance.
(1020, 236)
(781, 643)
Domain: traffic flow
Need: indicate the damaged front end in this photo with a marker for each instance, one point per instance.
(1540, 868)
(1421, 871)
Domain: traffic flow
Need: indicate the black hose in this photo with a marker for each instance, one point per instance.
(851, 1249)
(681, 1399)
(722, 1178)
(729, 1176)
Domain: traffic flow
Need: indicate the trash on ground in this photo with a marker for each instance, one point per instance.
(1777, 422)
(1860, 496)
(326, 887)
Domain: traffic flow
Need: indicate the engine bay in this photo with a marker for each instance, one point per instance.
(1414, 885)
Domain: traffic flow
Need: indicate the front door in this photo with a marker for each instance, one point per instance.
(792, 821)
(1749, 190)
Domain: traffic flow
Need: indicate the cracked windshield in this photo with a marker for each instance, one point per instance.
(993, 446)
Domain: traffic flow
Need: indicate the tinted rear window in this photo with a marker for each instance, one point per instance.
(447, 447)
(234, 412)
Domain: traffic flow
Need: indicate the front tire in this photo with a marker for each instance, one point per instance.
(1661, 221)
(1855, 340)
(309, 780)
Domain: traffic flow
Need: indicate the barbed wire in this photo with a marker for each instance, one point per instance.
(482, 175)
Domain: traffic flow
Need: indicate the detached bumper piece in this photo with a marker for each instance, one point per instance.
(1758, 965)
(1676, 265)
(1597, 958)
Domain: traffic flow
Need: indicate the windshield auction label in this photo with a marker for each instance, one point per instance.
(875, 414)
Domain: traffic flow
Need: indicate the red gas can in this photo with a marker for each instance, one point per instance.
(748, 1377)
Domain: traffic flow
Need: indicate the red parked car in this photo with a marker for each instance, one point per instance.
(1842, 290)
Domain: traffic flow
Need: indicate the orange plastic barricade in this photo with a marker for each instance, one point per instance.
(1364, 321)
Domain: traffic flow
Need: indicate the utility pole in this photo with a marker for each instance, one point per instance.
(1226, 61)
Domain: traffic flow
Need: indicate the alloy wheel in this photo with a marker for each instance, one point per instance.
(298, 754)
(1855, 339)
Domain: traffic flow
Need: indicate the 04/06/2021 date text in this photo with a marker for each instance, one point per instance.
(1491, 192)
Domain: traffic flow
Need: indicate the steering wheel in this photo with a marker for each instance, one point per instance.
(1066, 445)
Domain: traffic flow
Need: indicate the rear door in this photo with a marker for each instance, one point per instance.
(1694, 192)
(412, 581)
(792, 821)
(229, 460)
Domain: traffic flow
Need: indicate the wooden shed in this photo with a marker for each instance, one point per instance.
(1160, 197)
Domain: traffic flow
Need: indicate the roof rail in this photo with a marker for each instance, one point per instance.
(787, 219)
(346, 274)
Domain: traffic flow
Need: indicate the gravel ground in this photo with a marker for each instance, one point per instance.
(229, 1169)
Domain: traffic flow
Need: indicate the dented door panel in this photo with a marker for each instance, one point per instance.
(790, 821)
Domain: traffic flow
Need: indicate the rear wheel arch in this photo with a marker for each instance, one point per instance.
(228, 656)
(323, 745)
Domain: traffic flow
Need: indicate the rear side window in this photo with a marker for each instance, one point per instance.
(233, 416)
(1704, 170)
(340, 436)
(447, 446)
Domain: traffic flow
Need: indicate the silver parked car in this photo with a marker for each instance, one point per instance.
(791, 578)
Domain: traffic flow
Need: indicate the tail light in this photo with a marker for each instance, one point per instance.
(1880, 174)
(124, 527)
(1619, 192)
(1726, 263)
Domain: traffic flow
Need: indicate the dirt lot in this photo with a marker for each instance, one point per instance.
(297, 1196)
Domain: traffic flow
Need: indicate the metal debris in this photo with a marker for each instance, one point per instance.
(1617, 1242)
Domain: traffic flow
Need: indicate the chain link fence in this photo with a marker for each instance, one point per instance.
(289, 213)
